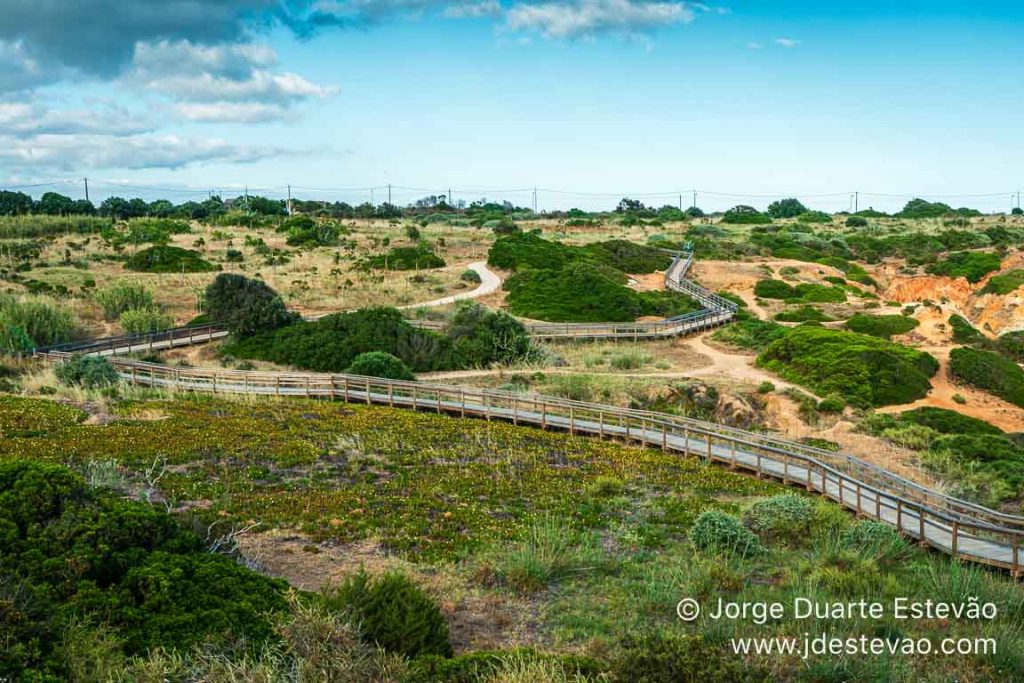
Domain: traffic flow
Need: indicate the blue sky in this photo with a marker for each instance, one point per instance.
(600, 97)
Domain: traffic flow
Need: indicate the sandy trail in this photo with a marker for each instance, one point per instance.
(489, 283)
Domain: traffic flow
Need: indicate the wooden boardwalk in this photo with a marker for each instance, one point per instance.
(959, 528)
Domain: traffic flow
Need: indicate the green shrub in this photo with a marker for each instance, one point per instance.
(832, 404)
(883, 326)
(471, 276)
(1012, 345)
(168, 259)
(774, 289)
(964, 332)
(629, 257)
(43, 321)
(803, 314)
(947, 421)
(1004, 283)
(664, 657)
(973, 265)
(874, 539)
(586, 292)
(246, 306)
(814, 217)
(745, 215)
(405, 258)
(528, 250)
(784, 517)
(313, 234)
(786, 208)
(87, 371)
(14, 340)
(989, 372)
(481, 338)
(332, 343)
(864, 370)
(718, 532)
(143, 320)
(393, 613)
(380, 364)
(856, 222)
(74, 554)
(121, 296)
(751, 334)
(765, 387)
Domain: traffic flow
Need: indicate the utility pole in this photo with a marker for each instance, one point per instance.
(246, 195)
(695, 198)
(371, 197)
(535, 200)
(449, 198)
(289, 200)
(389, 193)
(680, 201)
(86, 180)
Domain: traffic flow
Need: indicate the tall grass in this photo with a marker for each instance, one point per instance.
(12, 227)
(124, 295)
(44, 321)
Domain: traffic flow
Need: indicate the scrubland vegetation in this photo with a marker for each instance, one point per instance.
(124, 512)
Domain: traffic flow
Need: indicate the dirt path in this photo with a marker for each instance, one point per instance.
(738, 366)
(489, 283)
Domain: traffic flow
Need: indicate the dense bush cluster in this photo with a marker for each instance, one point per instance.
(405, 258)
(786, 208)
(69, 553)
(475, 337)
(988, 371)
(973, 265)
(746, 215)
(530, 250)
(752, 334)
(245, 305)
(303, 231)
(393, 613)
(801, 293)
(884, 326)
(91, 372)
(864, 370)
(803, 314)
(168, 259)
(1004, 283)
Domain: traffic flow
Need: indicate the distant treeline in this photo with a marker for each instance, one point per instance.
(477, 213)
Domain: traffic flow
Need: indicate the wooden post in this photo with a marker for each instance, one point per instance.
(368, 391)
(920, 523)
(858, 499)
(899, 514)
(956, 535)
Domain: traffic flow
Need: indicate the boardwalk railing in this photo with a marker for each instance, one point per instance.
(962, 529)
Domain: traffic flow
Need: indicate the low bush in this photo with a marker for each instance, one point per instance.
(718, 532)
(1012, 345)
(803, 314)
(745, 215)
(91, 372)
(765, 387)
(832, 404)
(786, 517)
(394, 613)
(481, 338)
(663, 657)
(964, 332)
(864, 370)
(405, 258)
(774, 289)
(380, 364)
(803, 292)
(752, 334)
(883, 326)
(144, 320)
(551, 551)
(1004, 283)
(856, 222)
(629, 257)
(528, 250)
(814, 217)
(471, 276)
(989, 372)
(947, 421)
(168, 259)
(973, 265)
(121, 296)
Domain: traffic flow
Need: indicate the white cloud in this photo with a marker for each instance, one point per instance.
(754, 46)
(786, 42)
(483, 8)
(78, 152)
(36, 119)
(585, 18)
(221, 83)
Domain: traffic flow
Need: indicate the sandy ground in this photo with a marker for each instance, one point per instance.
(478, 620)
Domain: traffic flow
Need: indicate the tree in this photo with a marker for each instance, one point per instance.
(246, 306)
(115, 207)
(12, 203)
(695, 212)
(83, 207)
(1017, 211)
(786, 208)
(380, 364)
(627, 205)
(161, 208)
(54, 204)
(137, 207)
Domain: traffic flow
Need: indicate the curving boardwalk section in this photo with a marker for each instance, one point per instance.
(960, 528)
